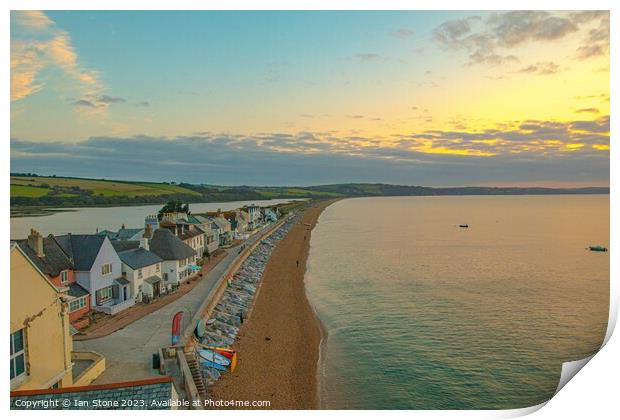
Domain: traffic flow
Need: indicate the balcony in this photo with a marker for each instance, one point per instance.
(87, 366)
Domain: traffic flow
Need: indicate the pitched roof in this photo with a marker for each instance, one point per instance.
(54, 259)
(120, 246)
(83, 249)
(169, 247)
(138, 258)
(122, 234)
(156, 393)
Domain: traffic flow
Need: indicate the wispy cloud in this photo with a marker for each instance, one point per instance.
(588, 111)
(368, 57)
(402, 33)
(41, 44)
(543, 68)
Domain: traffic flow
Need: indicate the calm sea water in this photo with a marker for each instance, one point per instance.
(421, 314)
(88, 219)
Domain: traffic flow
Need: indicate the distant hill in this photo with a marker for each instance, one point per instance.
(31, 190)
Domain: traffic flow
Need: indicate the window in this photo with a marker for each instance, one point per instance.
(64, 277)
(18, 354)
(157, 268)
(139, 273)
(106, 269)
(104, 295)
(77, 304)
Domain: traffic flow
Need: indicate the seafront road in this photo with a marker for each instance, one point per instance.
(129, 351)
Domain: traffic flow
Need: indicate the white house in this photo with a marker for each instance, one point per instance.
(143, 269)
(178, 257)
(98, 269)
(211, 235)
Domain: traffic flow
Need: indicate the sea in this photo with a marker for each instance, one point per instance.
(420, 313)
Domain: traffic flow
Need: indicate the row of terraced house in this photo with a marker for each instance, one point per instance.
(110, 271)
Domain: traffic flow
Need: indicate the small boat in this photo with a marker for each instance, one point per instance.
(210, 364)
(597, 248)
(211, 356)
(464, 226)
(224, 351)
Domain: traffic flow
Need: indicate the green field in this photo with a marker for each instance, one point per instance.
(41, 186)
(26, 191)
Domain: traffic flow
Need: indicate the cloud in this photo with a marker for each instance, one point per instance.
(543, 68)
(144, 104)
(402, 33)
(49, 47)
(32, 19)
(573, 150)
(85, 103)
(588, 110)
(489, 41)
(368, 57)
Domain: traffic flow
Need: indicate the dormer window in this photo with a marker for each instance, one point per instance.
(64, 277)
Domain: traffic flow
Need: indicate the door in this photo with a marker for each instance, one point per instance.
(124, 293)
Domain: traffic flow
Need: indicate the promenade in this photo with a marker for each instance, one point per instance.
(128, 351)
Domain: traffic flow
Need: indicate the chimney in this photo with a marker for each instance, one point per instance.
(123, 226)
(35, 241)
(144, 241)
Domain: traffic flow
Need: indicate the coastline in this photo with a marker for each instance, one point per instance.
(279, 345)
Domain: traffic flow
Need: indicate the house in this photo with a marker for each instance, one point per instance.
(98, 269)
(254, 216)
(40, 337)
(178, 257)
(189, 233)
(222, 226)
(269, 215)
(142, 268)
(211, 233)
(147, 394)
(239, 222)
(51, 260)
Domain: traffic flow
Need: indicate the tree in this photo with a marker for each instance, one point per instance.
(206, 254)
(174, 206)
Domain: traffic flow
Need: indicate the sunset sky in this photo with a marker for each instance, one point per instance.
(300, 98)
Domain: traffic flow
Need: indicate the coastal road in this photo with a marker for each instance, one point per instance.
(128, 351)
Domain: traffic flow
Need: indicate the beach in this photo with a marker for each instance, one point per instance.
(278, 345)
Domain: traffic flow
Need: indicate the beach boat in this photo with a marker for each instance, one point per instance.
(224, 351)
(597, 248)
(209, 364)
(464, 226)
(211, 356)
(211, 372)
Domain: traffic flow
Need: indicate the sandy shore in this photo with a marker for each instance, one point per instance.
(278, 345)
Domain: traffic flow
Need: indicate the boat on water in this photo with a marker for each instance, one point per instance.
(464, 226)
(211, 356)
(597, 248)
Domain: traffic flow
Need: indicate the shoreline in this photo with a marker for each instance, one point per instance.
(279, 345)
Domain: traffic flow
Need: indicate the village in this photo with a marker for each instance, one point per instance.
(92, 313)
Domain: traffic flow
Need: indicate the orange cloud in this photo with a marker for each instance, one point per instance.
(29, 57)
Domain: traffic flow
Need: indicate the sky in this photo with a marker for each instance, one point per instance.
(436, 98)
